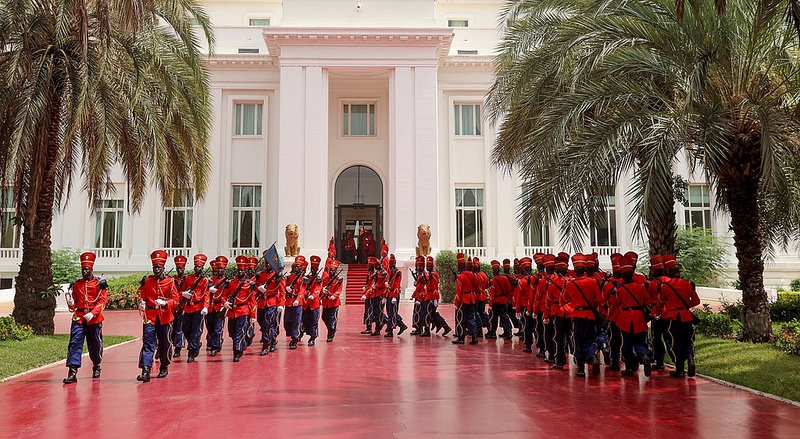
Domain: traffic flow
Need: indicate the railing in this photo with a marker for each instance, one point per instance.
(175, 251)
(532, 250)
(473, 252)
(234, 252)
(9, 253)
(107, 253)
(605, 250)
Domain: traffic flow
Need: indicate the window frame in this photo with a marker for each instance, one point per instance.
(186, 205)
(543, 234)
(258, 17)
(346, 104)
(100, 212)
(705, 209)
(236, 211)
(258, 120)
(458, 119)
(476, 211)
(451, 21)
(610, 212)
(8, 213)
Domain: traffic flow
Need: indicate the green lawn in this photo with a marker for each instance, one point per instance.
(19, 356)
(758, 366)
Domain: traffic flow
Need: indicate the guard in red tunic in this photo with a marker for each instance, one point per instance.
(677, 297)
(432, 297)
(349, 248)
(159, 297)
(295, 295)
(86, 300)
(500, 288)
(179, 278)
(632, 300)
(583, 295)
(332, 248)
(550, 293)
(240, 304)
(612, 354)
(331, 292)
(419, 316)
(312, 301)
(271, 291)
(524, 298)
(368, 246)
(465, 299)
(658, 326)
(195, 303)
(394, 319)
(215, 320)
(482, 279)
(536, 305)
(250, 272)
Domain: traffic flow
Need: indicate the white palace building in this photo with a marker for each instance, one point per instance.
(347, 114)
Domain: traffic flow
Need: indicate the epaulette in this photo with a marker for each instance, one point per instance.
(102, 284)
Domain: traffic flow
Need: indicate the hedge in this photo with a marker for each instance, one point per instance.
(445, 264)
(122, 291)
(11, 330)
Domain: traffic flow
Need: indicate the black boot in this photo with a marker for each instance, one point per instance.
(447, 329)
(145, 375)
(581, 370)
(377, 330)
(491, 335)
(236, 356)
(474, 339)
(596, 367)
(163, 372)
(272, 345)
(214, 352)
(96, 371)
(192, 355)
(647, 364)
(458, 340)
(293, 344)
(541, 353)
(331, 334)
(312, 341)
(426, 332)
(402, 327)
(527, 349)
(177, 353)
(72, 375)
(264, 349)
(415, 331)
(389, 333)
(368, 330)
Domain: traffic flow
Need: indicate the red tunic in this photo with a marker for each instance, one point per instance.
(483, 285)
(466, 284)
(313, 291)
(217, 299)
(583, 295)
(295, 289)
(432, 286)
(200, 296)
(331, 297)
(245, 303)
(554, 285)
(501, 289)
(630, 299)
(395, 281)
(90, 296)
(652, 288)
(153, 289)
(670, 294)
(381, 288)
(420, 286)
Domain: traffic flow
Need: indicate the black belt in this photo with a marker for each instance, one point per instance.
(679, 309)
(555, 303)
(640, 308)
(583, 308)
(152, 307)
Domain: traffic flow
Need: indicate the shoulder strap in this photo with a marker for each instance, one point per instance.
(630, 294)
(581, 292)
(676, 293)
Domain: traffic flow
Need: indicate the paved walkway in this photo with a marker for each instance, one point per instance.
(370, 387)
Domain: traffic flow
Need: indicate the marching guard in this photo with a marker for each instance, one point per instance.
(241, 306)
(677, 296)
(295, 295)
(331, 301)
(583, 294)
(86, 299)
(159, 297)
(419, 317)
(311, 303)
(433, 318)
(500, 287)
(180, 283)
(632, 299)
(195, 302)
(394, 319)
(215, 319)
(271, 290)
(465, 300)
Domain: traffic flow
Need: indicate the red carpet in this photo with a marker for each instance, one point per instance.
(370, 387)
(356, 279)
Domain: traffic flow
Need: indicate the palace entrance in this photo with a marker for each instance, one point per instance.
(358, 210)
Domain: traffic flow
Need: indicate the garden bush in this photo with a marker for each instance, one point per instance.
(789, 295)
(714, 324)
(66, 265)
(786, 309)
(122, 291)
(733, 309)
(788, 338)
(11, 330)
(795, 284)
(701, 256)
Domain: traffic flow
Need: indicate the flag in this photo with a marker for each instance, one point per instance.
(273, 258)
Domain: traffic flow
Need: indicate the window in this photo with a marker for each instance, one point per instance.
(469, 217)
(457, 23)
(246, 216)
(247, 50)
(249, 119)
(536, 236)
(697, 206)
(258, 22)
(468, 119)
(108, 223)
(358, 120)
(178, 223)
(9, 230)
(604, 224)
(6, 283)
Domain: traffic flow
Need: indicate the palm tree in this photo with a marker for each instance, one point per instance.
(88, 86)
(625, 86)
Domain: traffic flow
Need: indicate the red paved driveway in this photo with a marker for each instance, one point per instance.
(371, 387)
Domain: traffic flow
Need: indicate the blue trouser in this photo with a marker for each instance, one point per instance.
(237, 330)
(499, 315)
(330, 316)
(392, 315)
(291, 321)
(602, 333)
(311, 322)
(634, 347)
(425, 317)
(483, 316)
(682, 335)
(512, 314)
(375, 313)
(549, 332)
(465, 320)
(192, 328)
(215, 322)
(156, 340)
(528, 327)
(561, 326)
(433, 317)
(584, 332)
(540, 336)
(177, 330)
(614, 341)
(94, 341)
(659, 328)
(268, 321)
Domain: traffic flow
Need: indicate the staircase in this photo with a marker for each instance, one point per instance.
(356, 278)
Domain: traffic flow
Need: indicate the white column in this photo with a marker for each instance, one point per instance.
(291, 152)
(426, 152)
(315, 228)
(401, 208)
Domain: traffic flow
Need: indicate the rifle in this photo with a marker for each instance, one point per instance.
(413, 274)
(182, 303)
(232, 299)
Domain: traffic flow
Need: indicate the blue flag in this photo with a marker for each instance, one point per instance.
(273, 258)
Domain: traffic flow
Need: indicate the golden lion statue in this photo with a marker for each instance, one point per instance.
(423, 240)
(292, 235)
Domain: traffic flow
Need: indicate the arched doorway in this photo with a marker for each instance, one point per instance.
(358, 209)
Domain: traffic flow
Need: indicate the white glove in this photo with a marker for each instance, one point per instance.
(187, 294)
(70, 300)
(518, 315)
(262, 289)
(88, 316)
(289, 290)
(310, 297)
(394, 300)
(252, 320)
(364, 297)
(383, 301)
(545, 321)
(226, 305)
(280, 308)
(295, 303)
(213, 289)
(364, 289)
(528, 313)
(204, 312)
(142, 305)
(161, 302)
(435, 303)
(325, 290)
(416, 302)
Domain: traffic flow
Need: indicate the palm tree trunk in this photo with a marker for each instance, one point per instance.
(747, 239)
(32, 304)
(662, 230)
